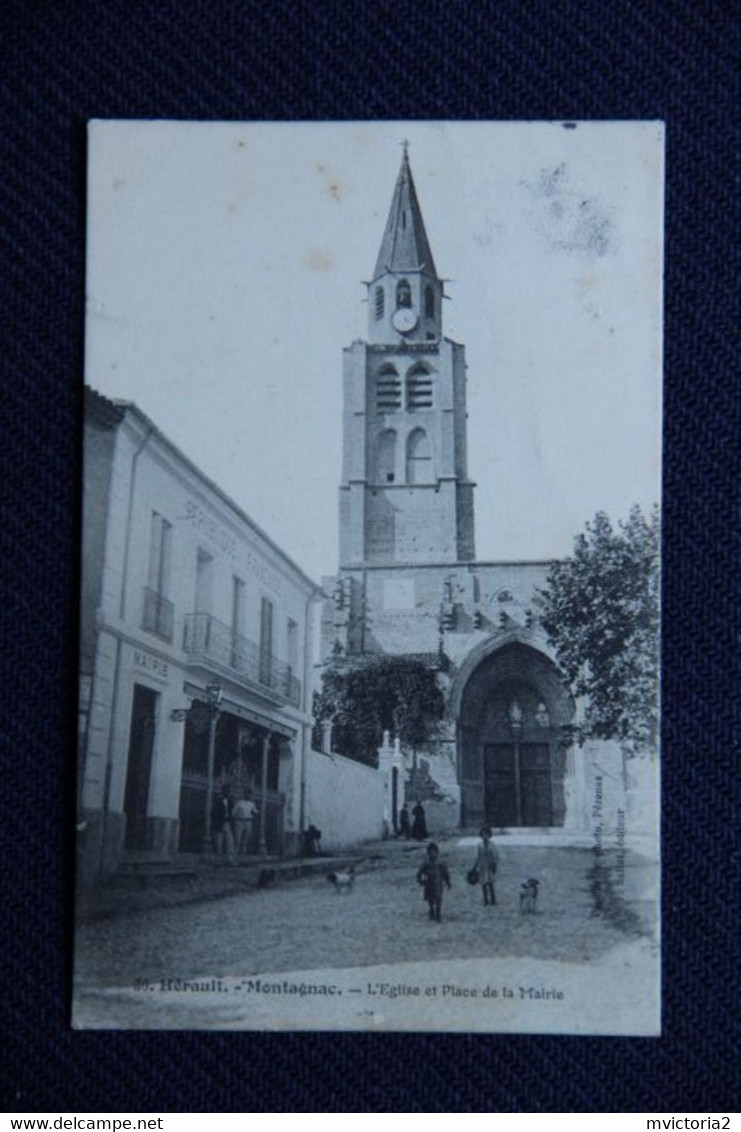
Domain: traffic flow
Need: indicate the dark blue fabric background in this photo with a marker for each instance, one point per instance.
(64, 62)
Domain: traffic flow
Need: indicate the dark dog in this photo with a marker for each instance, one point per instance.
(529, 897)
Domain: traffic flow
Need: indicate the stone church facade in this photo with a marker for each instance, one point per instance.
(409, 583)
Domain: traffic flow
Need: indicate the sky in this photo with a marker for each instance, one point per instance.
(224, 278)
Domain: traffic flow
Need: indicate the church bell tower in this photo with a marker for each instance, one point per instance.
(405, 496)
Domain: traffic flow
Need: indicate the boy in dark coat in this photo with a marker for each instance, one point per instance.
(433, 874)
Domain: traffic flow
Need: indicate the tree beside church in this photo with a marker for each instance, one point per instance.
(601, 612)
(366, 695)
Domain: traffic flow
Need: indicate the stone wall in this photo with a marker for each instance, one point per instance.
(411, 524)
(398, 609)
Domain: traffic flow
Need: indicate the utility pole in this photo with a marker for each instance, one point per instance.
(263, 845)
(214, 693)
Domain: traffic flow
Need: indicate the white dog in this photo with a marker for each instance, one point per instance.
(343, 881)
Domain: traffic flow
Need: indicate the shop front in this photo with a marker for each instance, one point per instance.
(234, 750)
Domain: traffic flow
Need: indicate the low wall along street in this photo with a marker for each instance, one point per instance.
(344, 800)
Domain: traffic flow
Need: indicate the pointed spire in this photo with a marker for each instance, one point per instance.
(405, 246)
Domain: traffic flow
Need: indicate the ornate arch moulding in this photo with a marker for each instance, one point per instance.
(532, 639)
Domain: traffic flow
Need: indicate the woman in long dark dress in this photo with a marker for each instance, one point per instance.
(419, 824)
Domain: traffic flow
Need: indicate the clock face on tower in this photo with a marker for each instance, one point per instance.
(404, 319)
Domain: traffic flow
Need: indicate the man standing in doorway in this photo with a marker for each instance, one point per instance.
(243, 819)
(221, 829)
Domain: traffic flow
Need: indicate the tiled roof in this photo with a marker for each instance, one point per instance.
(109, 414)
(100, 410)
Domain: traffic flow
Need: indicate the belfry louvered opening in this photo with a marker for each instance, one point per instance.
(419, 389)
(388, 390)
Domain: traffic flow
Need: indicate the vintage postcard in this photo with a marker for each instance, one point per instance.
(369, 673)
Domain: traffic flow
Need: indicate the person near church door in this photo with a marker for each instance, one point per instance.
(419, 823)
(243, 817)
(487, 859)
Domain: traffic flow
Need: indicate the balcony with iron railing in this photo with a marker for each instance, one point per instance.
(158, 614)
(215, 645)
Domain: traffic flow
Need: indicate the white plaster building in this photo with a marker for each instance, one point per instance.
(195, 650)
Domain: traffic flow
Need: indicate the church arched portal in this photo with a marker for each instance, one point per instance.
(514, 717)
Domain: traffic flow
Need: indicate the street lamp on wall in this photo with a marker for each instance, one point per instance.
(215, 694)
(514, 713)
(515, 718)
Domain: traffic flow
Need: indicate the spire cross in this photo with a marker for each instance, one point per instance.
(405, 146)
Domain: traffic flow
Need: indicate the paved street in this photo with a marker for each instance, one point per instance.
(304, 924)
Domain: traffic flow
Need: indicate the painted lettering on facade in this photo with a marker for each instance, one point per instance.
(151, 663)
(213, 531)
(229, 545)
(269, 578)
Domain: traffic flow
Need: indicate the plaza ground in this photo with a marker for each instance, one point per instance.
(304, 925)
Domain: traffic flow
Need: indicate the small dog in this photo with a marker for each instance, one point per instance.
(344, 881)
(529, 897)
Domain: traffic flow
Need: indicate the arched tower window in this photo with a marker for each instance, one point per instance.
(388, 390)
(403, 294)
(386, 456)
(379, 302)
(419, 388)
(419, 457)
(429, 301)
